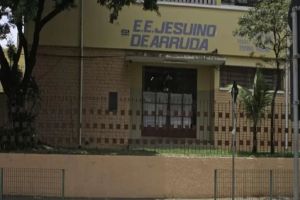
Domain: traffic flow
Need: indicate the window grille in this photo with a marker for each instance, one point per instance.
(244, 76)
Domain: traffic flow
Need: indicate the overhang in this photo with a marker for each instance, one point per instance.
(207, 60)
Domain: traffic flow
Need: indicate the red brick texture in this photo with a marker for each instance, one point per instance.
(104, 71)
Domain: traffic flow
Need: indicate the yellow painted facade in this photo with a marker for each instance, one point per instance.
(114, 60)
(186, 29)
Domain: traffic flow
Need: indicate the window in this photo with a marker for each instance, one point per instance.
(244, 76)
(240, 2)
(270, 78)
(169, 97)
(113, 101)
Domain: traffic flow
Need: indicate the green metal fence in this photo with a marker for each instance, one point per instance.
(254, 184)
(30, 183)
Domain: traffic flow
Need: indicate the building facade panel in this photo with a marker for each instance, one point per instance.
(148, 76)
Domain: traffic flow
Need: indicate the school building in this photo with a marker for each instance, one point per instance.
(150, 76)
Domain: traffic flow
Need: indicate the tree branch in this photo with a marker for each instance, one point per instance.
(51, 15)
(15, 5)
(30, 61)
(3, 61)
(4, 70)
(39, 24)
(17, 56)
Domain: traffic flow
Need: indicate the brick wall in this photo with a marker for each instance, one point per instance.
(58, 74)
(223, 125)
(105, 71)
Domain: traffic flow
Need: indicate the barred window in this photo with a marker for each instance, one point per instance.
(244, 76)
(271, 78)
(240, 2)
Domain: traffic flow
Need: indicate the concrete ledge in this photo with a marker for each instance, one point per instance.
(92, 176)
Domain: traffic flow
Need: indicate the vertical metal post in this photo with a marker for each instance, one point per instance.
(271, 184)
(295, 107)
(63, 184)
(81, 76)
(215, 188)
(1, 183)
(233, 150)
(288, 88)
(287, 94)
(234, 94)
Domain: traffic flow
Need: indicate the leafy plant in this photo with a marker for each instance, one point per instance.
(21, 89)
(255, 102)
(266, 26)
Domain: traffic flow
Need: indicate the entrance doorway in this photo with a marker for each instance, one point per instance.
(169, 102)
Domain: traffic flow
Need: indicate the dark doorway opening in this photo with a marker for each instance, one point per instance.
(169, 102)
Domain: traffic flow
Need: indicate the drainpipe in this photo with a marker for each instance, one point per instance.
(295, 106)
(81, 74)
(287, 92)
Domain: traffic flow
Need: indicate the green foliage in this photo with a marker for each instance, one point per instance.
(20, 11)
(115, 6)
(20, 88)
(255, 102)
(257, 99)
(23, 109)
(266, 25)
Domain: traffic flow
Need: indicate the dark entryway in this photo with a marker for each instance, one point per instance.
(169, 102)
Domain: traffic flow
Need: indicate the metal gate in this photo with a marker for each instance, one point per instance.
(253, 184)
(28, 183)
